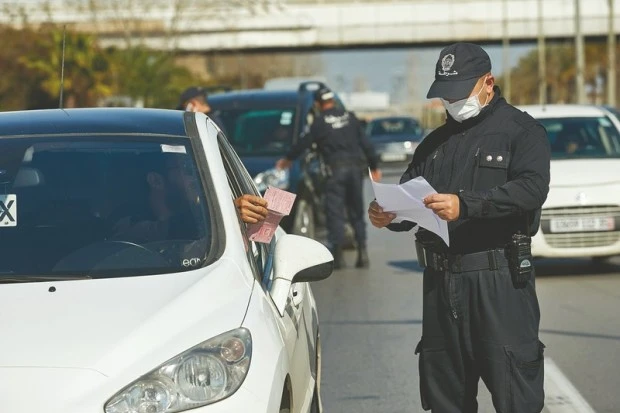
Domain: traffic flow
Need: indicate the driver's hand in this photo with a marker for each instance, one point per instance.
(252, 208)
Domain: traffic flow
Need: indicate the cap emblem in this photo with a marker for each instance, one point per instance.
(446, 65)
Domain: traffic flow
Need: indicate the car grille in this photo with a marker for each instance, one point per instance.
(581, 239)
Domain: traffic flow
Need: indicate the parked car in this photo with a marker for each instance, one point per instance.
(581, 216)
(127, 283)
(394, 138)
(262, 125)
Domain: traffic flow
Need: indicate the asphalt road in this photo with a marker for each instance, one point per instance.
(371, 322)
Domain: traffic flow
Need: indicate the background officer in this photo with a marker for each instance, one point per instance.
(490, 166)
(346, 150)
(195, 99)
(252, 208)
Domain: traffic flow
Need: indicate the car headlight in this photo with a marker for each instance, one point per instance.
(202, 375)
(278, 178)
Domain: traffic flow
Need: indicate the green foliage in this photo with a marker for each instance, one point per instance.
(31, 71)
(85, 77)
(148, 75)
(560, 74)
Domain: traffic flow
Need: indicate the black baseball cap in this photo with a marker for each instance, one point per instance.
(189, 94)
(324, 94)
(458, 68)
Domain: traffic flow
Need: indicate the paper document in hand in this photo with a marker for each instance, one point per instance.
(406, 201)
(279, 204)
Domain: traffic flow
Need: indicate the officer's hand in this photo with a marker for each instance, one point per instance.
(376, 174)
(283, 163)
(252, 208)
(378, 217)
(445, 206)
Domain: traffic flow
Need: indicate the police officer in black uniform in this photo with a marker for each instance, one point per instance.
(195, 99)
(346, 151)
(490, 166)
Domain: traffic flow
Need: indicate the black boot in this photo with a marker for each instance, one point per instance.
(338, 260)
(362, 258)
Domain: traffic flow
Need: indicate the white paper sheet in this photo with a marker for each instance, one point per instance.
(405, 200)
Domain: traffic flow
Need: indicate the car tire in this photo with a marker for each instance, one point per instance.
(314, 407)
(601, 260)
(303, 223)
(317, 406)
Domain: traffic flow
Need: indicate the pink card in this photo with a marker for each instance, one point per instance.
(279, 204)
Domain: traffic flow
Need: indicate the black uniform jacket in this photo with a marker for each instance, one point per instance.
(498, 165)
(340, 139)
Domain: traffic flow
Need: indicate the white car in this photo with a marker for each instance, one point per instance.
(581, 216)
(127, 281)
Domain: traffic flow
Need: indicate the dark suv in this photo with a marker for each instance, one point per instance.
(262, 125)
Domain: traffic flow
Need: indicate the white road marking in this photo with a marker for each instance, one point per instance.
(560, 394)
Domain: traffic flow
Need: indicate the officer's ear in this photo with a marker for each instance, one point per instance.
(489, 82)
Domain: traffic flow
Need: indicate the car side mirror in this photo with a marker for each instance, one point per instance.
(298, 259)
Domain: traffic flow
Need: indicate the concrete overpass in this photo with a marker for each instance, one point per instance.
(222, 25)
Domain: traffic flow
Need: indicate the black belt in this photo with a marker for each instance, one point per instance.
(477, 261)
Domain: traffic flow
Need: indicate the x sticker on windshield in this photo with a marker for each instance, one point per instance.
(8, 211)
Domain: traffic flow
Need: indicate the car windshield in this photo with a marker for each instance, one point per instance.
(394, 126)
(594, 137)
(259, 131)
(100, 207)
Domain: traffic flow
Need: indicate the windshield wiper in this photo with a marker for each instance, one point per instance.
(7, 277)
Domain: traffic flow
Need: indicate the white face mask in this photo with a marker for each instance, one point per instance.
(465, 108)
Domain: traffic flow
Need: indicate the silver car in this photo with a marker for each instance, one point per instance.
(394, 138)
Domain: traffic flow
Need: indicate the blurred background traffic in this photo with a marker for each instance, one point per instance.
(378, 55)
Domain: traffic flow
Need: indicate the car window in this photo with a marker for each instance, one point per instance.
(594, 137)
(259, 131)
(240, 182)
(101, 207)
(394, 126)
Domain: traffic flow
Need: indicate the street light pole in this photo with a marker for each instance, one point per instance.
(579, 47)
(611, 57)
(506, 53)
(542, 58)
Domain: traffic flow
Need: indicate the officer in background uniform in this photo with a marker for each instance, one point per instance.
(251, 208)
(195, 99)
(347, 151)
(490, 166)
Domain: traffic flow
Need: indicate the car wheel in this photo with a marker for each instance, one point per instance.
(314, 407)
(601, 260)
(304, 220)
(317, 406)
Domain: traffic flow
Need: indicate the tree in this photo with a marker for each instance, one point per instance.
(149, 76)
(560, 74)
(85, 67)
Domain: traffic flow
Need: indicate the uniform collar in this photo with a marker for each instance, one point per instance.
(484, 113)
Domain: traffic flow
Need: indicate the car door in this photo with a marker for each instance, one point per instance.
(261, 258)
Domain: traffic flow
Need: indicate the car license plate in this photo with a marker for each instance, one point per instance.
(393, 157)
(582, 224)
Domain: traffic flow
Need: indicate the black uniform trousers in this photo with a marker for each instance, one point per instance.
(476, 324)
(344, 196)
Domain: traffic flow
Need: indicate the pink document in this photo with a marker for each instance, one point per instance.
(279, 205)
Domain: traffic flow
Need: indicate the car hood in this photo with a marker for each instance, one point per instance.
(108, 325)
(584, 172)
(393, 138)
